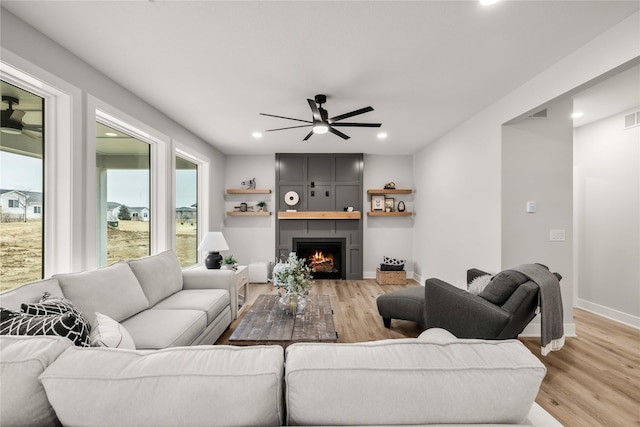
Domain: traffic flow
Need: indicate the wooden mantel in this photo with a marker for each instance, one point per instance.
(319, 215)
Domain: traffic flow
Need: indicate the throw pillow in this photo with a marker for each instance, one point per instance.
(53, 304)
(502, 286)
(392, 261)
(109, 333)
(478, 284)
(64, 325)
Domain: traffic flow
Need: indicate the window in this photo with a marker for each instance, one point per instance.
(186, 211)
(124, 202)
(21, 174)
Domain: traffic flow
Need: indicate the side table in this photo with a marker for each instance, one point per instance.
(242, 287)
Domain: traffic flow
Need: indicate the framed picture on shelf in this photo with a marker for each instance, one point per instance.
(377, 203)
(389, 204)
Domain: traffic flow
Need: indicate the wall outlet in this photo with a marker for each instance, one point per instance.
(557, 235)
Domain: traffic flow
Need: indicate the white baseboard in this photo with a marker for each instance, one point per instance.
(533, 329)
(610, 313)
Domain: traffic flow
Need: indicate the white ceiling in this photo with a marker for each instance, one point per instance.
(425, 66)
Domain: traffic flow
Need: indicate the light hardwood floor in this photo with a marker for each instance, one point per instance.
(593, 381)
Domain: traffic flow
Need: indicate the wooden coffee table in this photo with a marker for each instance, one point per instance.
(266, 323)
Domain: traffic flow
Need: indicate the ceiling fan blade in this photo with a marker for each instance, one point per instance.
(16, 115)
(358, 125)
(337, 132)
(308, 135)
(288, 118)
(314, 109)
(290, 127)
(351, 114)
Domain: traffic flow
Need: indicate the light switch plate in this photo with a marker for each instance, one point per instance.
(531, 207)
(557, 235)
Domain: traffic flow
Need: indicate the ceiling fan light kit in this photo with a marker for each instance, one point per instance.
(321, 123)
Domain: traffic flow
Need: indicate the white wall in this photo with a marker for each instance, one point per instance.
(537, 166)
(30, 51)
(387, 236)
(458, 177)
(607, 191)
(250, 238)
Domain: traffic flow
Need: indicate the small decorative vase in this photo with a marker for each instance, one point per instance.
(292, 303)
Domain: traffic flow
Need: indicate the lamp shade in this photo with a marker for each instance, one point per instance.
(213, 241)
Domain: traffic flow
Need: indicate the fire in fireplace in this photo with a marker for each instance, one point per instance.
(324, 256)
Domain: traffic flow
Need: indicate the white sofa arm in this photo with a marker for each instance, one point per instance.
(212, 279)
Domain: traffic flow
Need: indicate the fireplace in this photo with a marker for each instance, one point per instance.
(325, 256)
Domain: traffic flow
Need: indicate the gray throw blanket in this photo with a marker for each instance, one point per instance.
(550, 301)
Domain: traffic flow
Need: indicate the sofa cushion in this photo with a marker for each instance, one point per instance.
(502, 286)
(211, 301)
(23, 401)
(159, 328)
(30, 292)
(109, 333)
(159, 275)
(112, 290)
(66, 325)
(462, 381)
(187, 386)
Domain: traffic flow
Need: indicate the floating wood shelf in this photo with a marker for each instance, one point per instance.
(382, 192)
(319, 215)
(236, 213)
(253, 191)
(380, 213)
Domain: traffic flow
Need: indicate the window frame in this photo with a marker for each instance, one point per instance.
(203, 162)
(158, 171)
(62, 248)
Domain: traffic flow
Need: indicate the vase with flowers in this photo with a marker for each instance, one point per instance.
(293, 280)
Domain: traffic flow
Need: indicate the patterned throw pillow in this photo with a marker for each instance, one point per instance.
(55, 305)
(64, 325)
(478, 284)
(392, 264)
(392, 261)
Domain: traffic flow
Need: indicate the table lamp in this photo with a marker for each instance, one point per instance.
(213, 242)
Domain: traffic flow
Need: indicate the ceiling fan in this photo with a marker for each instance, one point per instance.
(12, 120)
(321, 123)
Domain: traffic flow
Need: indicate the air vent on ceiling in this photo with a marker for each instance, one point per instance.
(542, 114)
(632, 120)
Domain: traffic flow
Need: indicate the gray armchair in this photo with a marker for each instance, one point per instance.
(463, 314)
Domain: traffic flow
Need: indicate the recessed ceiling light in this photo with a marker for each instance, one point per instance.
(256, 135)
(577, 114)
(488, 2)
(110, 134)
(382, 135)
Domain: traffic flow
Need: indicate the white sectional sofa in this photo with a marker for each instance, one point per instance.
(158, 303)
(435, 379)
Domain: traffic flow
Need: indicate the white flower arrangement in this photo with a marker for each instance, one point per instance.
(293, 276)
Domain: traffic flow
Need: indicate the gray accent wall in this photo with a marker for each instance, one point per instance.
(324, 182)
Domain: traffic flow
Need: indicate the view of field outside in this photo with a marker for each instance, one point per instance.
(20, 253)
